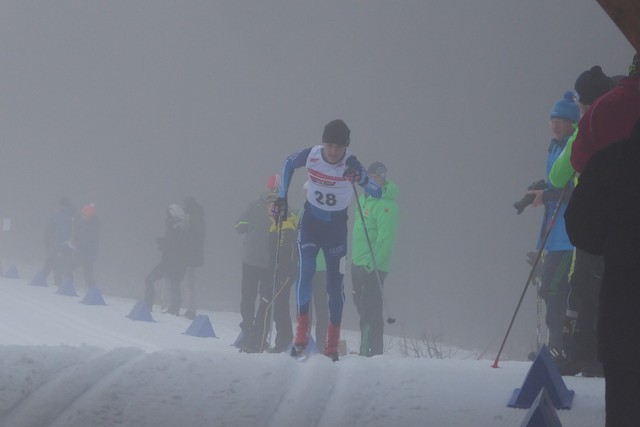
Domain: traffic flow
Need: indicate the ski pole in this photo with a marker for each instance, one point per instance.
(533, 268)
(275, 278)
(530, 258)
(538, 316)
(390, 320)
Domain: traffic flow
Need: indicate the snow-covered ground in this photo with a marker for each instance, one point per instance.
(68, 364)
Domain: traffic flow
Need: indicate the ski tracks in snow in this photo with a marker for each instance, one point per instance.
(66, 390)
(306, 399)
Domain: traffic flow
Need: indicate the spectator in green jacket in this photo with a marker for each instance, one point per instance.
(381, 221)
(589, 86)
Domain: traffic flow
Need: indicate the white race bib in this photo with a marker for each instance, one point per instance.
(327, 189)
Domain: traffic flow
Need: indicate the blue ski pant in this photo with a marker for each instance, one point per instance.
(331, 236)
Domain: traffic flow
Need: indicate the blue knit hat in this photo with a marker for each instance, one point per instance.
(566, 108)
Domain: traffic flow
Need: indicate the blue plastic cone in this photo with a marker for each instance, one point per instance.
(542, 412)
(543, 373)
(66, 288)
(12, 272)
(201, 327)
(93, 297)
(39, 279)
(141, 312)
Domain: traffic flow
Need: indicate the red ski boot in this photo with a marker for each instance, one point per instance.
(302, 336)
(331, 344)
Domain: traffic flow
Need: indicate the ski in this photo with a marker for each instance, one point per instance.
(302, 356)
(299, 354)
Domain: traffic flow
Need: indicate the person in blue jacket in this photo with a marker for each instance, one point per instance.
(554, 288)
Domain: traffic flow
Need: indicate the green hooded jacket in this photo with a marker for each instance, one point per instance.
(381, 219)
(562, 171)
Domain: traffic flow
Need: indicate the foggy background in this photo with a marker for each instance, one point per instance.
(134, 105)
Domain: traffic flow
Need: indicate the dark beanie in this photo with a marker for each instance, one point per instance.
(377, 168)
(592, 84)
(634, 68)
(336, 132)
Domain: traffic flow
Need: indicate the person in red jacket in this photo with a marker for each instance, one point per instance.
(602, 219)
(609, 119)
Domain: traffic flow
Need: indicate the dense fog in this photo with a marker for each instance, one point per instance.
(136, 105)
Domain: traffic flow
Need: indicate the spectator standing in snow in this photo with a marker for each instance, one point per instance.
(584, 284)
(603, 219)
(173, 263)
(331, 172)
(57, 242)
(255, 223)
(287, 269)
(554, 286)
(196, 230)
(381, 222)
(86, 236)
(609, 119)
(589, 86)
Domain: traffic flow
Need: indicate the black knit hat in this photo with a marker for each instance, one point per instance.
(336, 132)
(592, 84)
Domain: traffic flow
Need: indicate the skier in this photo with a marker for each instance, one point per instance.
(332, 171)
(554, 288)
(381, 221)
(173, 263)
(195, 233)
(319, 313)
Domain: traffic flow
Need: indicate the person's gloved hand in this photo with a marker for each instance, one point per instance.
(279, 209)
(354, 175)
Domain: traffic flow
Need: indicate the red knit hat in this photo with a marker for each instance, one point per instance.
(88, 210)
(273, 182)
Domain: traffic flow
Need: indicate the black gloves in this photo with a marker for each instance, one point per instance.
(354, 175)
(279, 209)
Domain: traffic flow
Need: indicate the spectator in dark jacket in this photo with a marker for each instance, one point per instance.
(57, 242)
(255, 223)
(86, 242)
(195, 230)
(603, 218)
(173, 264)
(609, 119)
(286, 250)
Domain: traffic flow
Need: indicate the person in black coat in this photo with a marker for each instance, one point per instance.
(603, 218)
(196, 230)
(58, 243)
(86, 241)
(173, 263)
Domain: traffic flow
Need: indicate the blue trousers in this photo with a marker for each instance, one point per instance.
(315, 234)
